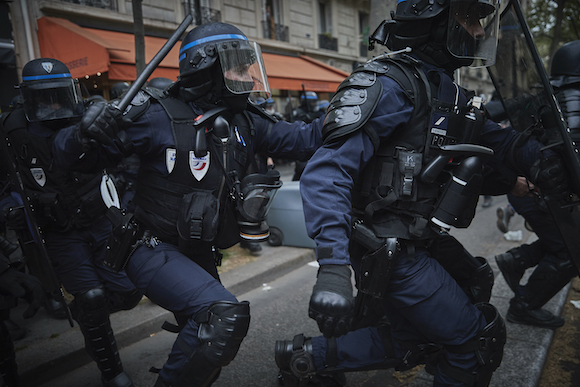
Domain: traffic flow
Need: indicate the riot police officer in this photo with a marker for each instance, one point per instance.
(552, 262)
(69, 208)
(195, 141)
(401, 164)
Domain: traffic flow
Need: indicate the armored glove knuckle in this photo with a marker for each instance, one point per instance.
(331, 303)
(100, 124)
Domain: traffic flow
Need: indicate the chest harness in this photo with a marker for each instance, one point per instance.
(408, 190)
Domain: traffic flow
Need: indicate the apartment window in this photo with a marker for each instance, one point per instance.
(325, 17)
(201, 11)
(105, 4)
(364, 31)
(272, 24)
(325, 39)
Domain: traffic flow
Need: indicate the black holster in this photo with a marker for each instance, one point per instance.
(374, 274)
(122, 240)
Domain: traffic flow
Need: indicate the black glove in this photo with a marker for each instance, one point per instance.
(550, 175)
(15, 218)
(25, 286)
(100, 125)
(332, 303)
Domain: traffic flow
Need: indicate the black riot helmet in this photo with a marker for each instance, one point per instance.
(565, 71)
(453, 33)
(566, 60)
(240, 60)
(49, 92)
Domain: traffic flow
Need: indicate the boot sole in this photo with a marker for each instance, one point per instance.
(524, 321)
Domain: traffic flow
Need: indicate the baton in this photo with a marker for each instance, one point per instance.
(151, 66)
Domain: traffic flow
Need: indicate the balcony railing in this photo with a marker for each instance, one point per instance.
(204, 15)
(276, 32)
(104, 4)
(327, 42)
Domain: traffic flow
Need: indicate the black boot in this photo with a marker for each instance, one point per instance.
(296, 363)
(514, 262)
(252, 247)
(519, 313)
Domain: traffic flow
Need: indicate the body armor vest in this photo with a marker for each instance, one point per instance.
(197, 188)
(61, 199)
(394, 193)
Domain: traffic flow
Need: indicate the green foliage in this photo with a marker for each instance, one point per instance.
(553, 23)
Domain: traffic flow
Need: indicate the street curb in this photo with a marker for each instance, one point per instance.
(48, 358)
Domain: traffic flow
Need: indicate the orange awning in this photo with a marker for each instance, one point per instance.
(290, 73)
(87, 51)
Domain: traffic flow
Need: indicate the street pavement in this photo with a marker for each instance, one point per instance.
(52, 353)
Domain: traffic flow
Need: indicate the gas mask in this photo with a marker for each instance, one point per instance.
(256, 194)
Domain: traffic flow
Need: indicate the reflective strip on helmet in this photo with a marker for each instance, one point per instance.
(48, 76)
(209, 39)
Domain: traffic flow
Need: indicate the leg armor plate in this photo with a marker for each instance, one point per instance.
(90, 309)
(488, 347)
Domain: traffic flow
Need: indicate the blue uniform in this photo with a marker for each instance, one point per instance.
(423, 302)
(76, 251)
(183, 284)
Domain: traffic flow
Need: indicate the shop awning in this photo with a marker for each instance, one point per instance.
(291, 73)
(87, 51)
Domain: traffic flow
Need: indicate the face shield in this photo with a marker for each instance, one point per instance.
(52, 99)
(243, 67)
(473, 30)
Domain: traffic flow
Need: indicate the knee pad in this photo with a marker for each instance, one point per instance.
(123, 300)
(488, 347)
(91, 307)
(222, 328)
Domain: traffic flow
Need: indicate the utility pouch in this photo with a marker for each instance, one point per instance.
(410, 164)
(377, 264)
(198, 216)
(122, 239)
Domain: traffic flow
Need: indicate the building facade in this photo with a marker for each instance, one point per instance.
(322, 38)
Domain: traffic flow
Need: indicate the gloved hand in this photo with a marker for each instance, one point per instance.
(25, 286)
(15, 218)
(332, 302)
(100, 125)
(550, 175)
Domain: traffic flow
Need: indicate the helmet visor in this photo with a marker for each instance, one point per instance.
(52, 100)
(473, 30)
(243, 67)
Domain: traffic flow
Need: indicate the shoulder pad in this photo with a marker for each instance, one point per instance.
(139, 104)
(14, 120)
(352, 105)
